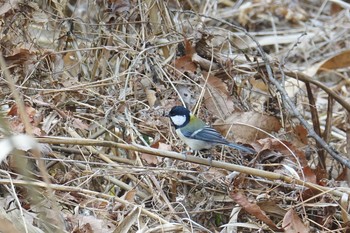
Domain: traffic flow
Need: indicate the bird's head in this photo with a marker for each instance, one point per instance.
(179, 116)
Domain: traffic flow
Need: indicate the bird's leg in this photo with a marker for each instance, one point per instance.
(210, 159)
(185, 153)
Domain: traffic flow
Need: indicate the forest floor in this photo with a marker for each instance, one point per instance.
(87, 146)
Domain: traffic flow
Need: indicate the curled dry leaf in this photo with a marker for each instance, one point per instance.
(187, 94)
(216, 98)
(301, 133)
(248, 133)
(8, 6)
(16, 123)
(126, 224)
(151, 97)
(152, 159)
(90, 224)
(337, 61)
(20, 57)
(293, 224)
(271, 207)
(185, 63)
(284, 148)
(79, 124)
(252, 209)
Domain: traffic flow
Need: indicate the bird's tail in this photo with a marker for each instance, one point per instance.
(241, 148)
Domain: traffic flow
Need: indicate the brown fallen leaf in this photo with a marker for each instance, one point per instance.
(79, 124)
(283, 147)
(340, 60)
(301, 133)
(8, 6)
(252, 208)
(16, 123)
(272, 208)
(293, 224)
(245, 133)
(19, 57)
(217, 98)
(151, 97)
(153, 159)
(185, 63)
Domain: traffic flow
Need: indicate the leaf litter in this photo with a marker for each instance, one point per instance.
(111, 71)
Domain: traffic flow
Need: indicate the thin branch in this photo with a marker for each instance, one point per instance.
(193, 159)
(80, 190)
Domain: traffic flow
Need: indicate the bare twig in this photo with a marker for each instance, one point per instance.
(193, 159)
(287, 101)
(316, 125)
(28, 128)
(305, 78)
(80, 190)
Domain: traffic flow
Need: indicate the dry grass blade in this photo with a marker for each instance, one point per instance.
(94, 80)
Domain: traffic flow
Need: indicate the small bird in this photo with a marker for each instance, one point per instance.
(196, 134)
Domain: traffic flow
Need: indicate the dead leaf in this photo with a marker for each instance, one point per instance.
(301, 133)
(79, 124)
(163, 146)
(340, 60)
(7, 226)
(8, 5)
(252, 208)
(90, 223)
(153, 159)
(276, 145)
(86, 228)
(19, 57)
(214, 174)
(293, 224)
(246, 134)
(128, 221)
(272, 208)
(187, 94)
(259, 84)
(30, 111)
(309, 175)
(217, 98)
(149, 159)
(16, 123)
(151, 97)
(185, 63)
(120, 6)
(130, 196)
(344, 202)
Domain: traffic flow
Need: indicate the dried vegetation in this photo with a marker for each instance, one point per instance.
(92, 80)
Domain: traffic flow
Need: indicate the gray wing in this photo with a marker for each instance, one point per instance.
(212, 136)
(207, 134)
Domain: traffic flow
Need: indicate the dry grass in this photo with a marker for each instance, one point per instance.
(92, 81)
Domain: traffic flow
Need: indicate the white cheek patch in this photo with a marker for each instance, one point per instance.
(178, 120)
